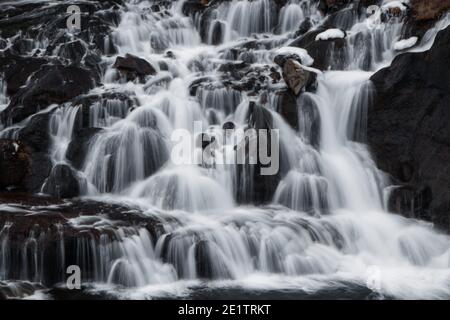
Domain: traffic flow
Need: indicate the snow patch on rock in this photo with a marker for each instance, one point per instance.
(405, 43)
(307, 60)
(330, 34)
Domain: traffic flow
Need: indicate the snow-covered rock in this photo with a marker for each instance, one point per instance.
(330, 34)
(402, 5)
(307, 60)
(405, 43)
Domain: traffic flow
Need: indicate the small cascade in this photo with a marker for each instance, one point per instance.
(242, 18)
(294, 13)
(218, 102)
(62, 123)
(4, 101)
(107, 112)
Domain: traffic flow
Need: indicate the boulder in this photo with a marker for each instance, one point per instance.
(412, 201)
(79, 146)
(327, 54)
(304, 27)
(295, 76)
(18, 69)
(423, 10)
(133, 67)
(252, 186)
(15, 162)
(330, 6)
(51, 84)
(73, 51)
(408, 129)
(62, 183)
(233, 66)
(288, 108)
(35, 135)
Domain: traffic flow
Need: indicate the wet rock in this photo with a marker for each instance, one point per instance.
(206, 265)
(274, 75)
(3, 44)
(112, 103)
(79, 146)
(228, 126)
(22, 46)
(51, 84)
(18, 69)
(18, 289)
(197, 83)
(35, 135)
(252, 185)
(327, 54)
(304, 27)
(36, 132)
(15, 162)
(217, 33)
(280, 59)
(429, 10)
(204, 140)
(330, 6)
(73, 51)
(423, 15)
(343, 19)
(309, 120)
(288, 108)
(195, 6)
(62, 183)
(411, 201)
(408, 122)
(39, 20)
(233, 66)
(133, 67)
(295, 76)
(40, 246)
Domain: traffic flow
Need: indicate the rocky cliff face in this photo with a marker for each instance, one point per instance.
(409, 132)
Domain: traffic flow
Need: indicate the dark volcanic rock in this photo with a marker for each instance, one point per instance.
(73, 51)
(233, 66)
(62, 183)
(40, 246)
(252, 185)
(295, 76)
(112, 103)
(288, 108)
(327, 54)
(18, 69)
(429, 10)
(79, 146)
(408, 127)
(133, 67)
(36, 136)
(330, 6)
(15, 161)
(51, 84)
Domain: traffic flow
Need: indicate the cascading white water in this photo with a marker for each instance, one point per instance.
(3, 97)
(62, 123)
(243, 18)
(294, 13)
(326, 223)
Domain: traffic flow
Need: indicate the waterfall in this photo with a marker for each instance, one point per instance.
(3, 97)
(323, 221)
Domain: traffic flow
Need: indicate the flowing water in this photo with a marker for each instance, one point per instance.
(326, 227)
